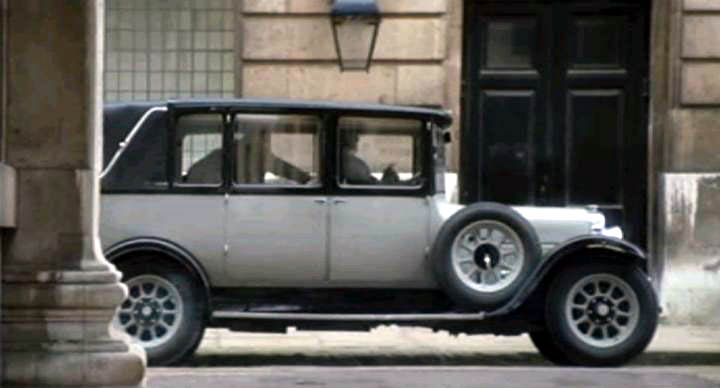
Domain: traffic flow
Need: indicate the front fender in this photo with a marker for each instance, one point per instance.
(595, 241)
(611, 246)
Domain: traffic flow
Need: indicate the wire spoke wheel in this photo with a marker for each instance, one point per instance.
(602, 310)
(153, 311)
(487, 256)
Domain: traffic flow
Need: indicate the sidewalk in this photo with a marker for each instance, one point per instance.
(392, 345)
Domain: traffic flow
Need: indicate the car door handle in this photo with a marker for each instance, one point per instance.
(338, 201)
(320, 201)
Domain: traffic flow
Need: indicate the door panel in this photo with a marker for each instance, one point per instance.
(276, 239)
(508, 43)
(378, 240)
(509, 75)
(510, 127)
(555, 112)
(597, 42)
(595, 122)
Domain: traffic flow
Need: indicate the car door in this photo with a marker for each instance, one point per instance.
(190, 211)
(277, 209)
(379, 214)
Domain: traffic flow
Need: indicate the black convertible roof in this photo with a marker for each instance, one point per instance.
(440, 117)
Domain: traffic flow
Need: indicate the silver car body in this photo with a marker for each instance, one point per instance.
(313, 241)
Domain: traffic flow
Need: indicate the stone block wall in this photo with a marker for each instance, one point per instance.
(688, 128)
(288, 52)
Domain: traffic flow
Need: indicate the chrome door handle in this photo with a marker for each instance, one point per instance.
(338, 201)
(320, 201)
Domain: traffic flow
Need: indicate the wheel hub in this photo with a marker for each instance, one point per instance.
(153, 311)
(486, 256)
(601, 310)
(147, 312)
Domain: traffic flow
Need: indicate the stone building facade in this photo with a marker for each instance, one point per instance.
(58, 295)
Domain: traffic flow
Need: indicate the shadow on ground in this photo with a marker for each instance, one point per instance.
(516, 359)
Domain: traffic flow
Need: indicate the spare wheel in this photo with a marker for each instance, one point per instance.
(483, 254)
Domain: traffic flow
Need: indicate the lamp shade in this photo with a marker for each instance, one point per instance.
(355, 25)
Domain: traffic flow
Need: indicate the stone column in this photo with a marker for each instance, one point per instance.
(685, 162)
(59, 293)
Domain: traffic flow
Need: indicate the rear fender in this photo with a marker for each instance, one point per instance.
(173, 252)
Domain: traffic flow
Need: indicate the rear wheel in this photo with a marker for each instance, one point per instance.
(601, 314)
(164, 312)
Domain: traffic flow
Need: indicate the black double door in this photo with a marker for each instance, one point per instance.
(555, 106)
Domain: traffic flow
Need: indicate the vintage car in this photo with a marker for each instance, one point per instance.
(257, 215)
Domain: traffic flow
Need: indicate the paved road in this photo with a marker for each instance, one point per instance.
(392, 345)
(435, 377)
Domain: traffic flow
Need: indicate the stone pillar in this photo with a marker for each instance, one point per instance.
(59, 293)
(685, 162)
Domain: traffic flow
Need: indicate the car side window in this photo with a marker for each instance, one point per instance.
(199, 142)
(276, 150)
(380, 151)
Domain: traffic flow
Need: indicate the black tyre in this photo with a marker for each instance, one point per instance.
(601, 314)
(546, 347)
(165, 311)
(483, 253)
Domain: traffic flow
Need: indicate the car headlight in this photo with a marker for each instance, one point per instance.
(615, 231)
(597, 221)
(597, 225)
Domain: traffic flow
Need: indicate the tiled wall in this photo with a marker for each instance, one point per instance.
(157, 49)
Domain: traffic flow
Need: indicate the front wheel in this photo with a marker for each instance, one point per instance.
(545, 345)
(164, 311)
(601, 314)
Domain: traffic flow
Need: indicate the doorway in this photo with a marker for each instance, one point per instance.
(555, 106)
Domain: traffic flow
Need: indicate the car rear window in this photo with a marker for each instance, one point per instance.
(142, 165)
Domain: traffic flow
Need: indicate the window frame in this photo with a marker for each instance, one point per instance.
(333, 145)
(243, 188)
(194, 188)
(233, 188)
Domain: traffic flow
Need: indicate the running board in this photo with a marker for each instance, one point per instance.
(349, 317)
